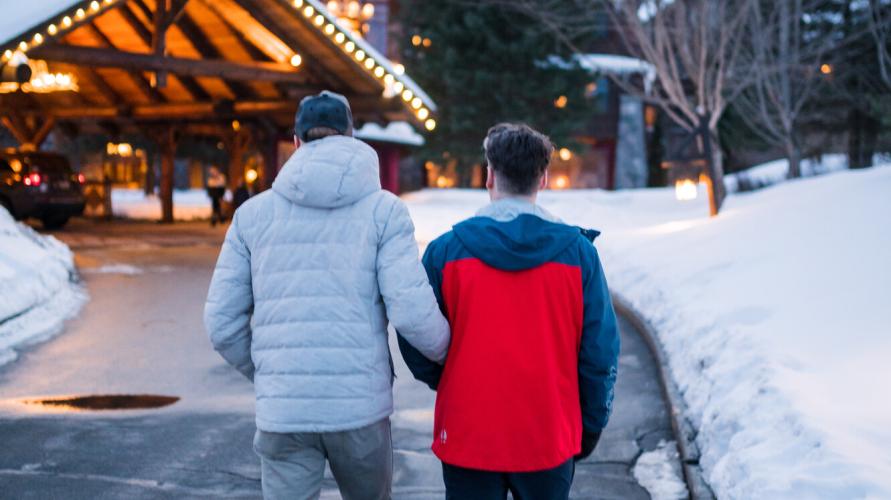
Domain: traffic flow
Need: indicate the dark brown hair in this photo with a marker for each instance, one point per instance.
(519, 154)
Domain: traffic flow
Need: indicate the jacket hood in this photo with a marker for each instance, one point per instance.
(514, 235)
(328, 173)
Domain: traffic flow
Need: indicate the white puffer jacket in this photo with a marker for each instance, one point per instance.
(309, 274)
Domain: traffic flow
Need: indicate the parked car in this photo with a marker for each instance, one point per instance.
(40, 185)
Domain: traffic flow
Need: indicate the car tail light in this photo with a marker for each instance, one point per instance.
(33, 180)
(81, 178)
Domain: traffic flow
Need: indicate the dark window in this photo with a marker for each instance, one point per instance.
(4, 167)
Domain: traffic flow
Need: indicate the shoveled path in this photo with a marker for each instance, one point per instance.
(142, 333)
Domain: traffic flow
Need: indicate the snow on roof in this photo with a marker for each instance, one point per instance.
(396, 132)
(618, 65)
(25, 15)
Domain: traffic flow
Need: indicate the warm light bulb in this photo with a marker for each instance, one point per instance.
(23, 46)
(38, 39)
(349, 46)
(298, 4)
(309, 11)
(66, 21)
(389, 79)
(397, 87)
(398, 69)
(565, 154)
(319, 20)
(80, 14)
(423, 113)
(430, 124)
(407, 95)
(339, 37)
(329, 29)
(416, 40)
(360, 55)
(368, 11)
(52, 30)
(369, 63)
(296, 60)
(333, 7)
(94, 5)
(379, 71)
(416, 102)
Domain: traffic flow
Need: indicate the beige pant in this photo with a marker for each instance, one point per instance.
(293, 465)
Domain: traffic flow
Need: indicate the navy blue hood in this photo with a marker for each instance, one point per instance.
(524, 242)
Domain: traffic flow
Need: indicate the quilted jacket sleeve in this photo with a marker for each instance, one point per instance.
(422, 368)
(411, 306)
(230, 303)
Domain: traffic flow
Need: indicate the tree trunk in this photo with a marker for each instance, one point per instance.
(794, 157)
(714, 167)
(862, 135)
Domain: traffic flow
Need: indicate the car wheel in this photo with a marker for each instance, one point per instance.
(54, 221)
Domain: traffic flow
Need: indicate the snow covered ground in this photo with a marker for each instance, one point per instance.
(189, 204)
(776, 317)
(39, 284)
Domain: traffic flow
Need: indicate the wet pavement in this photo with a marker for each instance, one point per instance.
(142, 333)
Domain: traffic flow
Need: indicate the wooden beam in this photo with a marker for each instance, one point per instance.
(202, 44)
(90, 75)
(159, 41)
(252, 50)
(40, 135)
(105, 58)
(327, 78)
(195, 90)
(16, 127)
(215, 110)
(139, 80)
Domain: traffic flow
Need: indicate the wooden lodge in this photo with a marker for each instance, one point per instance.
(234, 70)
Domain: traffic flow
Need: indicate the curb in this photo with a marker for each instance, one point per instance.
(685, 434)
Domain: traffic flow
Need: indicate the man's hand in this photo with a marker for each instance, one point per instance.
(589, 442)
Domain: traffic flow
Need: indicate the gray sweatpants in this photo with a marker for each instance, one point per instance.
(293, 465)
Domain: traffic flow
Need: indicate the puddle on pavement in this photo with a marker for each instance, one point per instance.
(103, 402)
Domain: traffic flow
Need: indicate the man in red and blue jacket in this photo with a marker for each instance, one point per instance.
(528, 382)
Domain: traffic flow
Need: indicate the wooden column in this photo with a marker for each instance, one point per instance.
(237, 143)
(167, 149)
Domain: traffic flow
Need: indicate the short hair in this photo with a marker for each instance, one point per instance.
(519, 154)
(320, 133)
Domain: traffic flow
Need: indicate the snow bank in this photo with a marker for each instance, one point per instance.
(776, 317)
(189, 204)
(775, 172)
(39, 283)
(657, 472)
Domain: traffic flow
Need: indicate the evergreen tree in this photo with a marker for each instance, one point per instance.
(485, 64)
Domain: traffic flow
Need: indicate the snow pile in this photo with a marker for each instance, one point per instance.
(776, 317)
(40, 286)
(188, 204)
(656, 472)
(775, 172)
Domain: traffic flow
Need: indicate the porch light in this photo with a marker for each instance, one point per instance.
(565, 154)
(686, 189)
(251, 175)
(561, 182)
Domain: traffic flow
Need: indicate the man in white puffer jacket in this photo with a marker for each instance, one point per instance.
(309, 275)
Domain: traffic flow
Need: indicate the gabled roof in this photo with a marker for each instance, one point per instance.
(223, 57)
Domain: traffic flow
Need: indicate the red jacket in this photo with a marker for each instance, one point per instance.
(534, 343)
